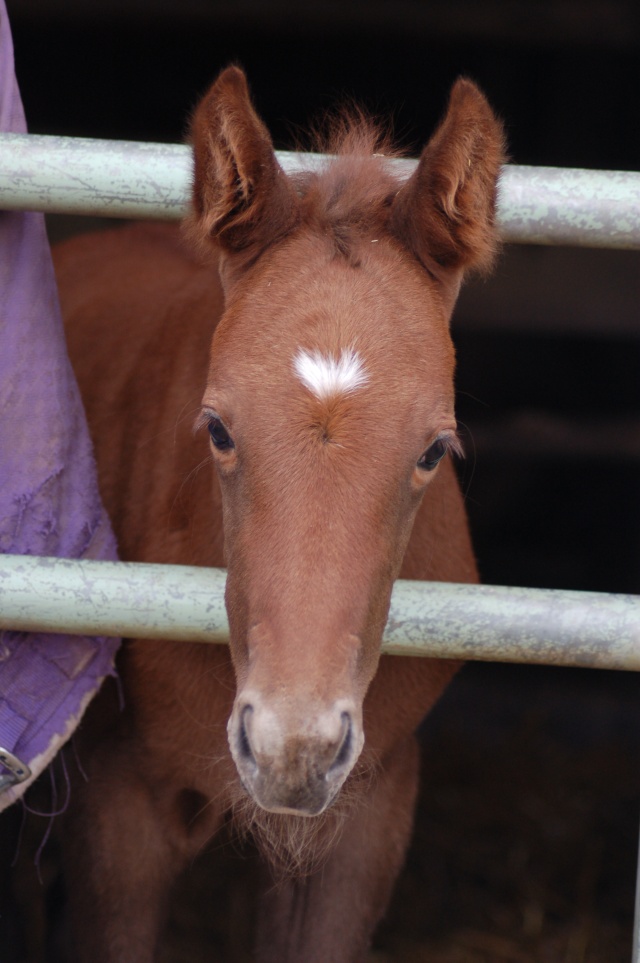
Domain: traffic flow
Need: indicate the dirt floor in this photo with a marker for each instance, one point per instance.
(525, 843)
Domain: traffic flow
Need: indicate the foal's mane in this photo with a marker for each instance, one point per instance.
(350, 196)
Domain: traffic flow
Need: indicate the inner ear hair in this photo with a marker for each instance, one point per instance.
(446, 210)
(241, 196)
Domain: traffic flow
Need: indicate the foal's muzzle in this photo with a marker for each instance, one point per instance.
(294, 762)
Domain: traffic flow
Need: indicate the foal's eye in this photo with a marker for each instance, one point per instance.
(434, 454)
(219, 435)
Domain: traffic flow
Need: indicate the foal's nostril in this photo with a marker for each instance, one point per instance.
(244, 744)
(344, 752)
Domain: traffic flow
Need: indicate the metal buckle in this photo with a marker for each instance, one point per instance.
(18, 771)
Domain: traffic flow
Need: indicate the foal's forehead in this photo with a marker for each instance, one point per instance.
(308, 321)
(305, 295)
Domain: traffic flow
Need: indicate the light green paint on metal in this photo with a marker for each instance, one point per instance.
(76, 175)
(432, 619)
(107, 178)
(536, 205)
(112, 598)
(502, 623)
(549, 205)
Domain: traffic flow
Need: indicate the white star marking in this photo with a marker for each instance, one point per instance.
(326, 376)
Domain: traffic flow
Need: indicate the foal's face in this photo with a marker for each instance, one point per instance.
(330, 404)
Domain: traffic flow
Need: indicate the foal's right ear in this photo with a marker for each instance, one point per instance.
(241, 196)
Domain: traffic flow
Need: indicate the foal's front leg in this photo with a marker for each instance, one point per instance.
(330, 916)
(126, 843)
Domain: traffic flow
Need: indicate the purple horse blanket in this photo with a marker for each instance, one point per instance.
(49, 501)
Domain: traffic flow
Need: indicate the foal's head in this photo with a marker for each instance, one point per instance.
(330, 404)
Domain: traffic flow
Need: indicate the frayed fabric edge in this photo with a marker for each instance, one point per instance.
(58, 740)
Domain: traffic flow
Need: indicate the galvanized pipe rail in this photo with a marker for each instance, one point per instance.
(435, 619)
(128, 179)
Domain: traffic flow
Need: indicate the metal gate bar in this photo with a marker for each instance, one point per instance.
(434, 619)
(74, 175)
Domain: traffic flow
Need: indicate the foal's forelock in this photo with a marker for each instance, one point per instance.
(348, 203)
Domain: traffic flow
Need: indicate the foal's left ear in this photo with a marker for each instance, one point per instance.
(445, 212)
(241, 196)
